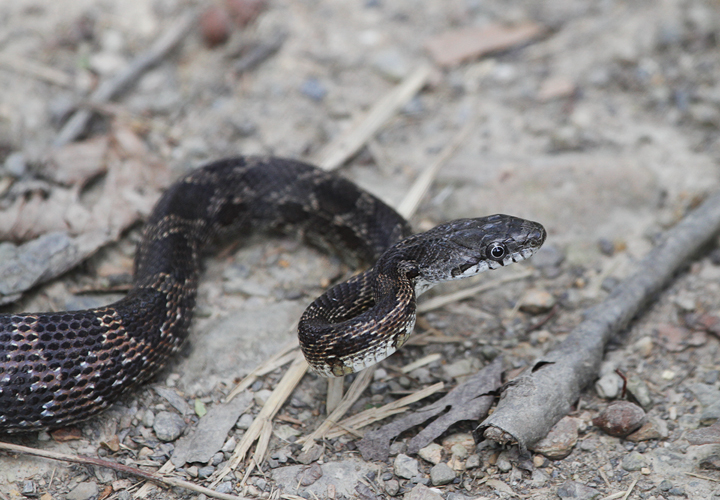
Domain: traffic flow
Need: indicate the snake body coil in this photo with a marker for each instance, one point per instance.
(60, 368)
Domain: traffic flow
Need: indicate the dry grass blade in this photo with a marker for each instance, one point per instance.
(373, 415)
(356, 389)
(443, 300)
(282, 357)
(334, 393)
(272, 405)
(420, 362)
(338, 151)
(415, 194)
(36, 70)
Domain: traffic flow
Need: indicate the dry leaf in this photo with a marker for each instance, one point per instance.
(454, 47)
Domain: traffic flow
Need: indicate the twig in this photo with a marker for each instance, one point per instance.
(125, 469)
(338, 151)
(541, 396)
(77, 123)
(36, 70)
(699, 476)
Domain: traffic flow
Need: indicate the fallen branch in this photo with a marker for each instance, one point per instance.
(533, 402)
(125, 469)
(77, 123)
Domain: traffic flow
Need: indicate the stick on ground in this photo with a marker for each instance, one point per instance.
(532, 403)
(77, 123)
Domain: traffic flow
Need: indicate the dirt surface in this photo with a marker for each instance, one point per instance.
(605, 130)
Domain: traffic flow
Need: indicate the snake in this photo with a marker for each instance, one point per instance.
(60, 368)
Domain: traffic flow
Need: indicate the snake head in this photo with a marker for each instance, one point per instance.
(465, 247)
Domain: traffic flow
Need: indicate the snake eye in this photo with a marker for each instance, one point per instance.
(496, 251)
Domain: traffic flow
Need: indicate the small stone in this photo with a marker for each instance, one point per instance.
(634, 462)
(168, 426)
(215, 25)
(653, 429)
(503, 462)
(473, 461)
(405, 466)
(664, 485)
(710, 378)
(397, 447)
(217, 458)
(575, 490)
(391, 64)
(392, 487)
(262, 396)
(245, 421)
(644, 346)
(539, 461)
(459, 450)
(536, 301)
(677, 491)
(539, 478)
(561, 439)
(83, 491)
(608, 386)
(620, 418)
(441, 474)
(205, 472)
(606, 247)
(314, 89)
(192, 471)
(310, 455)
(380, 373)
(229, 445)
(148, 418)
(15, 164)
(431, 453)
(422, 492)
(224, 487)
(29, 489)
(43, 436)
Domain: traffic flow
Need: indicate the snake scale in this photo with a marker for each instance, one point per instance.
(59, 368)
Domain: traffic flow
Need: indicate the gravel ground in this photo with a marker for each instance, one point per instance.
(605, 130)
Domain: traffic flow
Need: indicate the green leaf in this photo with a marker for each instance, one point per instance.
(200, 409)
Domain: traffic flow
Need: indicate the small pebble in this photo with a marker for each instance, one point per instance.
(15, 164)
(473, 461)
(606, 247)
(441, 474)
(245, 421)
(262, 396)
(503, 462)
(459, 450)
(168, 426)
(217, 458)
(148, 418)
(608, 386)
(431, 453)
(224, 487)
(620, 418)
(29, 489)
(314, 89)
(392, 487)
(83, 491)
(536, 301)
(192, 471)
(634, 462)
(205, 472)
(405, 467)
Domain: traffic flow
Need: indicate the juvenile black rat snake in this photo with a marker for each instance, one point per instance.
(60, 368)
